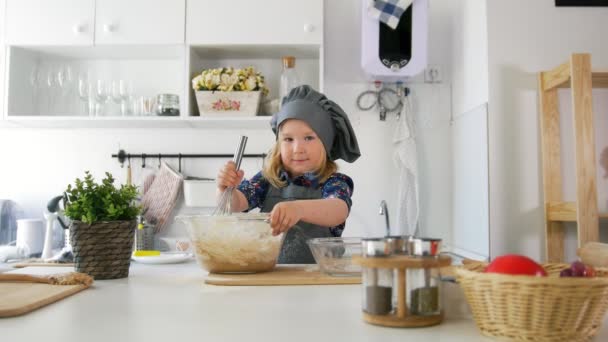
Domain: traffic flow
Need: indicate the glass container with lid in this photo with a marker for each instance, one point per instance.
(167, 105)
(423, 291)
(377, 282)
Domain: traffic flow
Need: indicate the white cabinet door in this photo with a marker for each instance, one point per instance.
(44, 22)
(254, 22)
(140, 21)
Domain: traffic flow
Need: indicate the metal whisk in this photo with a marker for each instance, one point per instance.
(224, 205)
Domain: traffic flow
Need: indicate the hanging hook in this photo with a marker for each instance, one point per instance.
(159, 161)
(121, 157)
(180, 162)
(379, 98)
(143, 158)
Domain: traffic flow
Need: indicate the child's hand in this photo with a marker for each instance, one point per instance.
(283, 216)
(229, 176)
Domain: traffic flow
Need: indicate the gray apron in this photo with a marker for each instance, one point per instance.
(294, 249)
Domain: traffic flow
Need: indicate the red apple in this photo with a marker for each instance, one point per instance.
(515, 265)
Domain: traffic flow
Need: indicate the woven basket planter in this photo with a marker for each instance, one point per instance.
(103, 250)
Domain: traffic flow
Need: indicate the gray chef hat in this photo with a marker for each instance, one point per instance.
(325, 117)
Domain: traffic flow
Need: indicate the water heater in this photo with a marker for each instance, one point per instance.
(394, 55)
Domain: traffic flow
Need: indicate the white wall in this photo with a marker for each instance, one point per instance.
(469, 62)
(37, 164)
(525, 37)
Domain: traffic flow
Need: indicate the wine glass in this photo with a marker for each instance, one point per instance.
(36, 83)
(64, 81)
(50, 81)
(121, 92)
(101, 96)
(86, 94)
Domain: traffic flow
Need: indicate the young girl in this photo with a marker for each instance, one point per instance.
(299, 185)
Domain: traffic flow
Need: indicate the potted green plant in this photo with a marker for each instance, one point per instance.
(103, 222)
(229, 91)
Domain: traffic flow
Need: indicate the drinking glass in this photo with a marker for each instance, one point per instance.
(50, 82)
(64, 81)
(35, 83)
(86, 94)
(101, 96)
(121, 92)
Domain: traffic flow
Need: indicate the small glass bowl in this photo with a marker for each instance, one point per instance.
(334, 255)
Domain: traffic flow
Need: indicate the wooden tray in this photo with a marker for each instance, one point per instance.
(20, 298)
(281, 275)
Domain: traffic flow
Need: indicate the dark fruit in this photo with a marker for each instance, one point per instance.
(578, 269)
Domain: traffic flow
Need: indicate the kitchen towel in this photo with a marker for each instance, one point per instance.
(405, 157)
(159, 200)
(389, 11)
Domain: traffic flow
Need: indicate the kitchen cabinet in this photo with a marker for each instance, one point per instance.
(57, 22)
(140, 22)
(254, 22)
(88, 22)
(159, 46)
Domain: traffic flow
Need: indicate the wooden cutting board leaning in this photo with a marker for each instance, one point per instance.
(281, 275)
(20, 293)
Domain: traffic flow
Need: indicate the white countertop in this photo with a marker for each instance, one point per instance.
(172, 303)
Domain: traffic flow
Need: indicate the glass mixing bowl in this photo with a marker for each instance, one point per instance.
(241, 243)
(334, 255)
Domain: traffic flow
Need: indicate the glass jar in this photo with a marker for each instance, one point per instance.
(377, 282)
(289, 77)
(423, 290)
(167, 105)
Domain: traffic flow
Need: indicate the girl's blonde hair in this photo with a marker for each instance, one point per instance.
(273, 166)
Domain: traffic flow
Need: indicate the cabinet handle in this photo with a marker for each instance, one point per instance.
(78, 28)
(108, 28)
(309, 27)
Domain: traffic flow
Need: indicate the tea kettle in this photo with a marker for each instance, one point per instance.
(54, 211)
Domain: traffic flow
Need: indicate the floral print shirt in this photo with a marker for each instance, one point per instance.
(337, 185)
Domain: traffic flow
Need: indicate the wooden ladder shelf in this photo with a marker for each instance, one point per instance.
(577, 75)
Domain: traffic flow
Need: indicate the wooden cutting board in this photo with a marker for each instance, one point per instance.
(20, 298)
(281, 275)
(44, 264)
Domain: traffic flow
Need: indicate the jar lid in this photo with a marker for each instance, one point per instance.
(425, 246)
(162, 98)
(400, 244)
(376, 247)
(289, 61)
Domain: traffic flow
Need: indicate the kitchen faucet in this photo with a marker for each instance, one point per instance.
(384, 211)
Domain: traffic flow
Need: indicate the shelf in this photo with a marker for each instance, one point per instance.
(252, 122)
(107, 52)
(255, 51)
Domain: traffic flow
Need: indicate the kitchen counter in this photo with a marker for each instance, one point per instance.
(172, 303)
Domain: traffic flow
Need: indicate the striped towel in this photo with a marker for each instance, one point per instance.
(161, 196)
(389, 11)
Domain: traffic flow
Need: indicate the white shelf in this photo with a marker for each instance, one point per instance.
(251, 122)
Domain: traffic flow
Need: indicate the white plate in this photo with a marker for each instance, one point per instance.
(163, 258)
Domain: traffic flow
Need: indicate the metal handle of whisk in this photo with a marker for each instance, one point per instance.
(240, 150)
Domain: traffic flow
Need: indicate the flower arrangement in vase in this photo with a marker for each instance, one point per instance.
(229, 91)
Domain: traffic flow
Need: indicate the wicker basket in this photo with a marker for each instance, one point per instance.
(103, 250)
(528, 308)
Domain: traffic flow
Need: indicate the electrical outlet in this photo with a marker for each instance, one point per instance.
(432, 74)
